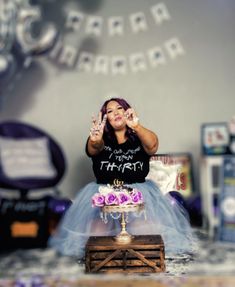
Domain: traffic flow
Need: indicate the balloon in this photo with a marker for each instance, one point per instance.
(3, 64)
(18, 44)
(28, 44)
(194, 208)
(59, 205)
(177, 198)
(7, 65)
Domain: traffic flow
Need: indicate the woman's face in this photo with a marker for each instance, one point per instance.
(115, 115)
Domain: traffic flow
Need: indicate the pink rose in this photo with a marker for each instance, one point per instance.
(98, 200)
(124, 198)
(111, 199)
(136, 196)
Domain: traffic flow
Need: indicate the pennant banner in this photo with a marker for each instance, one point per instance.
(74, 20)
(156, 57)
(68, 56)
(137, 62)
(138, 22)
(94, 25)
(174, 48)
(160, 13)
(85, 62)
(115, 26)
(101, 64)
(118, 65)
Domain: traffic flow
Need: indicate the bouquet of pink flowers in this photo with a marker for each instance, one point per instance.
(108, 195)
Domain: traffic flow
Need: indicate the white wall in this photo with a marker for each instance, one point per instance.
(173, 99)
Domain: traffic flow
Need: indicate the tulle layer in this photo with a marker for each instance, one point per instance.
(160, 217)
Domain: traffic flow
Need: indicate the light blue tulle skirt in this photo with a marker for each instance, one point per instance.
(160, 217)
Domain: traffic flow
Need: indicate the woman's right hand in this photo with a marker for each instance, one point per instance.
(97, 128)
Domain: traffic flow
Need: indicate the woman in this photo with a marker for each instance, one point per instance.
(120, 149)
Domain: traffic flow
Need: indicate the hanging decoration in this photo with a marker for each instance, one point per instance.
(85, 62)
(156, 56)
(136, 62)
(94, 25)
(116, 26)
(118, 65)
(174, 48)
(68, 56)
(74, 20)
(138, 22)
(101, 64)
(160, 13)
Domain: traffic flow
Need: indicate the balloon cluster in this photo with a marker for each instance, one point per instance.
(19, 41)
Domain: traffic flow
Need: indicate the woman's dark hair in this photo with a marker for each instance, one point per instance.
(108, 130)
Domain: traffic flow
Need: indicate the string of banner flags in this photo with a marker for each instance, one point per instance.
(83, 61)
(67, 55)
(94, 24)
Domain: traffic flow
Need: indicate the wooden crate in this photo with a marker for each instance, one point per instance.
(144, 254)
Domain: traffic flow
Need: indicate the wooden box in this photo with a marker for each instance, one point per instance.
(144, 254)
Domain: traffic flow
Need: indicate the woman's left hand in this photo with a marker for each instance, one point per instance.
(132, 120)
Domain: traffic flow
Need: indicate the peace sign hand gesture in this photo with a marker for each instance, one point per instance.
(97, 128)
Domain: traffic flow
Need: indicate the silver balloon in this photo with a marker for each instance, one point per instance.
(29, 44)
(18, 45)
(7, 25)
(3, 64)
(7, 66)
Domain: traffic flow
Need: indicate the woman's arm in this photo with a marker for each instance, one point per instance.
(95, 142)
(94, 147)
(148, 138)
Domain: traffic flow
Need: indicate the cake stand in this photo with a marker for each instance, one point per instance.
(117, 211)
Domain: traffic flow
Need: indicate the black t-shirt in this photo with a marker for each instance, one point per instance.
(127, 162)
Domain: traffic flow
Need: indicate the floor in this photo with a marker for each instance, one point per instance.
(213, 265)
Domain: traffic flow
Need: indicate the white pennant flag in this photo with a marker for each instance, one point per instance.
(174, 48)
(68, 56)
(94, 25)
(118, 65)
(101, 64)
(85, 61)
(160, 13)
(115, 26)
(138, 22)
(137, 62)
(156, 57)
(74, 20)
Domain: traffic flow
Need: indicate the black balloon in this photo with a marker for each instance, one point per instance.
(191, 204)
(176, 197)
(194, 207)
(59, 205)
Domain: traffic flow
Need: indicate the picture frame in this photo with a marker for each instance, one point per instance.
(177, 171)
(215, 138)
(226, 228)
